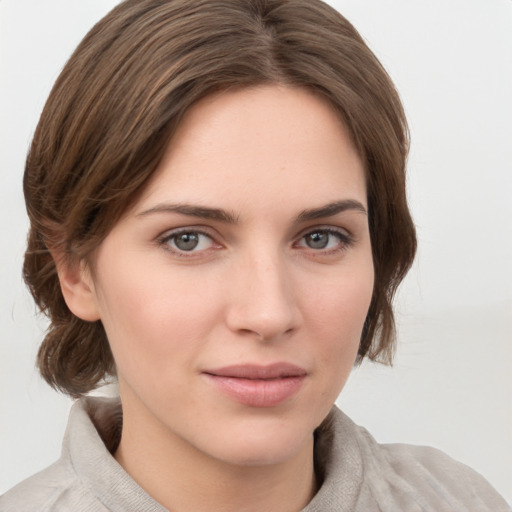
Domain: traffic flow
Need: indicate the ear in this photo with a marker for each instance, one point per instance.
(77, 287)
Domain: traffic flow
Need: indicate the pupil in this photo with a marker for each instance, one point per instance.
(187, 241)
(317, 240)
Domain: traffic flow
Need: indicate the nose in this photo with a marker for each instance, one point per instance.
(262, 300)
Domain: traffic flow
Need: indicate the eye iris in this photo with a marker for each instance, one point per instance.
(317, 240)
(186, 241)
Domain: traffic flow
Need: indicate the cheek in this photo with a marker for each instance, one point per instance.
(153, 314)
(341, 301)
(336, 315)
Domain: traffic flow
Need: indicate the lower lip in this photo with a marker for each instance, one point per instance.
(258, 392)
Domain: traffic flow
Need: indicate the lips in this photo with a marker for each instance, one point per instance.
(258, 386)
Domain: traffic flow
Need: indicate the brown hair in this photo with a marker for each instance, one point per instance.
(123, 92)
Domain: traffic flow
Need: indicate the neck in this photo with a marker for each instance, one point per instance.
(182, 478)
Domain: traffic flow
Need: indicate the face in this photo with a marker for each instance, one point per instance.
(234, 292)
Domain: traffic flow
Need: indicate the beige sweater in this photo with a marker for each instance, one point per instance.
(359, 475)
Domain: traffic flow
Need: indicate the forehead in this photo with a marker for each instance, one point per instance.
(271, 142)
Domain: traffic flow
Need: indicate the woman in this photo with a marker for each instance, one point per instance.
(216, 192)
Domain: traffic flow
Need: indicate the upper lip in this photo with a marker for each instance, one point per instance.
(260, 372)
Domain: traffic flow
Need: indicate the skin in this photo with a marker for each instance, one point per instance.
(256, 289)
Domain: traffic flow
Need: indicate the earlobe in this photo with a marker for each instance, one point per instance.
(77, 288)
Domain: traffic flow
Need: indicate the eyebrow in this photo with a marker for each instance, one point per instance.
(227, 217)
(202, 212)
(331, 209)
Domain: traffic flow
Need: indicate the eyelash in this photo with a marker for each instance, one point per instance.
(165, 240)
(345, 241)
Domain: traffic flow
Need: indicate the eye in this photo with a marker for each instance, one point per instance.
(187, 241)
(325, 240)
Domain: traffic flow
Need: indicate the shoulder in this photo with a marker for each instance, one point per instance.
(426, 477)
(68, 484)
(54, 489)
(389, 477)
(86, 478)
(432, 464)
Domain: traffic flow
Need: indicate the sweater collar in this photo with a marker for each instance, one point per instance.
(93, 434)
(339, 463)
(93, 422)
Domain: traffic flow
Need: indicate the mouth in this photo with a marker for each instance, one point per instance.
(258, 386)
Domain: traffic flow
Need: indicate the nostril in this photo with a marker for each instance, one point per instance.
(266, 333)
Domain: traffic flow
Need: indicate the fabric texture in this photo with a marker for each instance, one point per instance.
(358, 474)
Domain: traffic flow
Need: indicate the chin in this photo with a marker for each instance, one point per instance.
(262, 443)
(261, 454)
